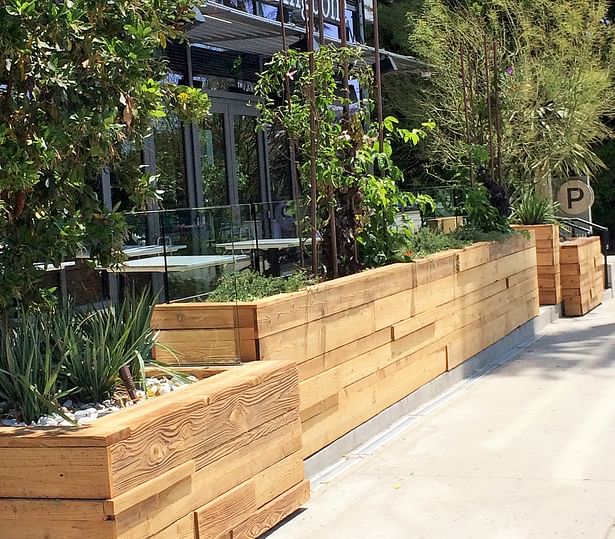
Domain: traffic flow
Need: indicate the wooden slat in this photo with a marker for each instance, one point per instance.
(473, 255)
(203, 316)
(62, 472)
(436, 266)
(333, 358)
(222, 472)
(53, 529)
(227, 511)
(13, 509)
(184, 528)
(144, 491)
(273, 513)
(162, 442)
(318, 337)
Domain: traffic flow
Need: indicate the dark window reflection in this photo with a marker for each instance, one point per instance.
(213, 162)
(279, 164)
(247, 159)
(171, 163)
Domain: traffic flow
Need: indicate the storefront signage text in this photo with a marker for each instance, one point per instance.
(330, 8)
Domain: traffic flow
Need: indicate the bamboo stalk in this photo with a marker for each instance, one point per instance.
(466, 108)
(489, 111)
(498, 115)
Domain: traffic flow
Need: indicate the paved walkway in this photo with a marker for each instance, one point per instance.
(526, 451)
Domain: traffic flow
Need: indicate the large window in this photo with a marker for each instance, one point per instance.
(171, 163)
(214, 176)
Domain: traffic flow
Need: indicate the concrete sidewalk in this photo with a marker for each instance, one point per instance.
(528, 450)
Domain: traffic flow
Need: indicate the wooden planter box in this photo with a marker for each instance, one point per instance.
(547, 255)
(221, 458)
(582, 268)
(366, 341)
(445, 224)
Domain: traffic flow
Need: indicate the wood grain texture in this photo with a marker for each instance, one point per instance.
(189, 429)
(191, 464)
(273, 513)
(148, 489)
(53, 529)
(227, 511)
(72, 510)
(184, 528)
(70, 472)
(582, 275)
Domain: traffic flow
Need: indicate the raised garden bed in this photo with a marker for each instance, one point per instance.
(221, 458)
(582, 267)
(548, 260)
(445, 224)
(366, 341)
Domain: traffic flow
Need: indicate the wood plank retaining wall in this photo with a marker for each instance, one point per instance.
(221, 458)
(582, 266)
(548, 260)
(364, 342)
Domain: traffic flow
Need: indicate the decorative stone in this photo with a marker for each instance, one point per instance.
(165, 389)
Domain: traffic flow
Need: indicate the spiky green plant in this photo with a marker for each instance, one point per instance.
(30, 369)
(530, 208)
(106, 340)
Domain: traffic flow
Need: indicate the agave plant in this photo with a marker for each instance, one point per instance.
(30, 367)
(105, 341)
(530, 208)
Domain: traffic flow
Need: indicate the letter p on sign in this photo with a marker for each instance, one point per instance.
(575, 197)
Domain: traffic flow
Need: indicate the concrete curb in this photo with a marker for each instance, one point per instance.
(372, 432)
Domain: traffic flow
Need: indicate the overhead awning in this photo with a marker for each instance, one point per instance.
(227, 28)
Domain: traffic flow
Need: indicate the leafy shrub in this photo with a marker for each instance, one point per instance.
(480, 213)
(250, 286)
(470, 234)
(530, 208)
(427, 241)
(30, 372)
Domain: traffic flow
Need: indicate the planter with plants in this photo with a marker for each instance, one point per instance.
(365, 341)
(89, 451)
(530, 211)
(62, 366)
(221, 456)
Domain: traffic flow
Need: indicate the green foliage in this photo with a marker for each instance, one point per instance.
(380, 236)
(98, 344)
(426, 241)
(250, 286)
(480, 214)
(357, 179)
(554, 74)
(604, 187)
(30, 369)
(531, 208)
(468, 233)
(79, 80)
(47, 355)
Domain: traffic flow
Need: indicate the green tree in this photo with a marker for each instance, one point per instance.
(356, 206)
(554, 76)
(79, 80)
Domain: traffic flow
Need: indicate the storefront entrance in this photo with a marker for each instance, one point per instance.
(231, 154)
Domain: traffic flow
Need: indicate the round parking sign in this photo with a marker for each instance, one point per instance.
(575, 197)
